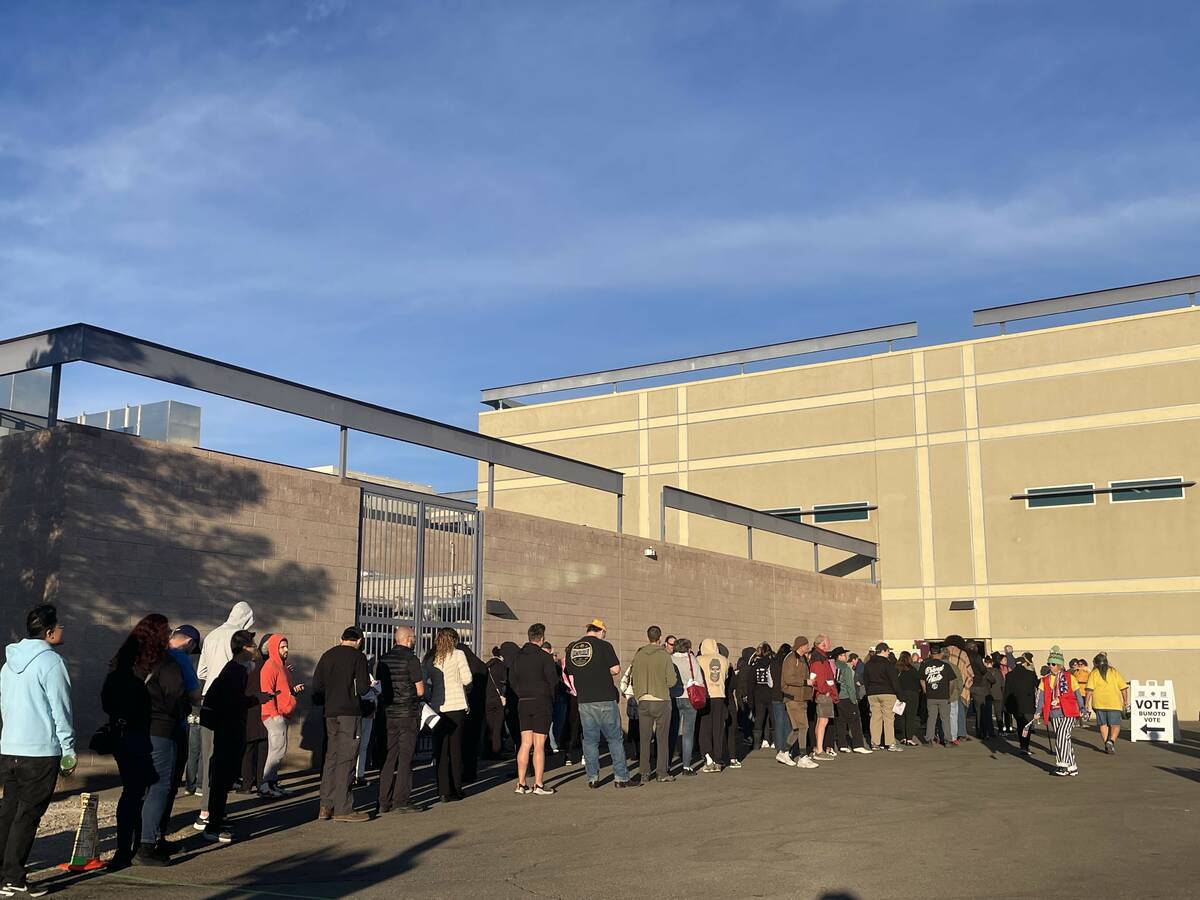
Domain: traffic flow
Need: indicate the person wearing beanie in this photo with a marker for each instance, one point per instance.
(1060, 705)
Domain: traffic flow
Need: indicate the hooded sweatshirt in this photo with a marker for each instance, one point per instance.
(216, 650)
(653, 673)
(276, 676)
(715, 666)
(35, 701)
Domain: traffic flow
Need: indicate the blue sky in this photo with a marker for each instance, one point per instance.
(407, 202)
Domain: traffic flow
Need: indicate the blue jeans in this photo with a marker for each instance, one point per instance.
(598, 720)
(191, 778)
(685, 714)
(783, 725)
(162, 758)
(957, 710)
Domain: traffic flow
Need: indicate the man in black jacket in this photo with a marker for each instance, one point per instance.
(339, 682)
(779, 716)
(883, 687)
(1020, 697)
(401, 690)
(497, 689)
(534, 679)
(224, 712)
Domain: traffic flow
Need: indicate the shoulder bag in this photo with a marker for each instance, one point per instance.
(697, 693)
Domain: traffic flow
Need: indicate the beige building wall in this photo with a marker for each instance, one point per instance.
(940, 438)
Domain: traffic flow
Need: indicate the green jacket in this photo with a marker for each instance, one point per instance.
(845, 683)
(653, 672)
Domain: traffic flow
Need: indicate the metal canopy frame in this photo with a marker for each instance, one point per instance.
(87, 343)
(753, 519)
(1132, 293)
(499, 397)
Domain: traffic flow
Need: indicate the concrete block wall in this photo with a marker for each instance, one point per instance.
(111, 527)
(563, 575)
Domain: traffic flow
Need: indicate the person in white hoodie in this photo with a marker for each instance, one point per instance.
(37, 743)
(214, 653)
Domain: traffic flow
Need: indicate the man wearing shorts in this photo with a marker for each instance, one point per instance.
(823, 678)
(534, 680)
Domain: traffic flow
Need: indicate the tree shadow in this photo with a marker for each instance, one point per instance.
(110, 527)
(1190, 774)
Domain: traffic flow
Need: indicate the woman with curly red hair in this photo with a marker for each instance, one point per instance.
(146, 700)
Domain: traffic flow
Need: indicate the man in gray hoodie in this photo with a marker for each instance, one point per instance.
(214, 653)
(37, 743)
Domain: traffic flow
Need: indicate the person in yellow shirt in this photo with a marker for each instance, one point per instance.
(1107, 695)
(1080, 670)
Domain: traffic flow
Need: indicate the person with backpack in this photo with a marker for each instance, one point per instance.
(37, 743)
(690, 698)
(145, 698)
(760, 694)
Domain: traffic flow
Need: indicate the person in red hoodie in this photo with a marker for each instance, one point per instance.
(275, 677)
(823, 677)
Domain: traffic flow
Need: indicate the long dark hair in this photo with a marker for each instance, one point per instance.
(1100, 661)
(146, 645)
(905, 661)
(763, 652)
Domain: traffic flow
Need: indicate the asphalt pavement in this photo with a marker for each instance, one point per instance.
(971, 821)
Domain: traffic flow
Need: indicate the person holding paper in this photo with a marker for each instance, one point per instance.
(883, 688)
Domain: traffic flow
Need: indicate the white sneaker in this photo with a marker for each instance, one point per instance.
(201, 823)
(807, 762)
(861, 750)
(734, 764)
(766, 745)
(785, 758)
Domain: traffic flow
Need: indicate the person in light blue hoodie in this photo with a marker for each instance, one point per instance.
(37, 742)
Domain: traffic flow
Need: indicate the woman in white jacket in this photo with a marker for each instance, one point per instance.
(449, 676)
(690, 674)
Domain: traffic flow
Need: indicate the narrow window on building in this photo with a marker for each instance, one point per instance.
(1146, 489)
(792, 515)
(1060, 496)
(841, 512)
(1063, 495)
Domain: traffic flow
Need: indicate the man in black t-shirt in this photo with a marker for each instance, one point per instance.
(591, 663)
(937, 675)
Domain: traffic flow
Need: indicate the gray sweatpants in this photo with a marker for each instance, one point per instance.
(938, 708)
(277, 730)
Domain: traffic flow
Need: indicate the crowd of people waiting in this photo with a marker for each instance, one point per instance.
(207, 723)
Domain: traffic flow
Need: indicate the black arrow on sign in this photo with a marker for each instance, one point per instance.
(1147, 730)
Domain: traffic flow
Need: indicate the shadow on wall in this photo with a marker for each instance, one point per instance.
(111, 528)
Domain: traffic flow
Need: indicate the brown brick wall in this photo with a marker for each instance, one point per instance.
(111, 527)
(563, 575)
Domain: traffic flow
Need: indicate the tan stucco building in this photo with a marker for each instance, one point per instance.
(939, 439)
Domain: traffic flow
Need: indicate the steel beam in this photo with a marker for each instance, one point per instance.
(686, 501)
(55, 392)
(86, 343)
(496, 396)
(1132, 293)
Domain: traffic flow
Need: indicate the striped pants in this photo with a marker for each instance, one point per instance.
(1064, 752)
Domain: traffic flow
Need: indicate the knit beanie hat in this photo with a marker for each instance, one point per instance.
(1056, 656)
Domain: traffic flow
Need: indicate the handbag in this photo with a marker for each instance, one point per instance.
(697, 693)
(104, 741)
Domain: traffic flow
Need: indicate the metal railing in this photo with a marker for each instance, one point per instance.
(755, 520)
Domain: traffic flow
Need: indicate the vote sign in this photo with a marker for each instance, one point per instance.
(1152, 711)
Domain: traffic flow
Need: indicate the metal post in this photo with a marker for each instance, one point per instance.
(620, 498)
(1192, 299)
(817, 558)
(342, 451)
(662, 516)
(419, 578)
(1003, 328)
(491, 500)
(874, 577)
(749, 542)
(55, 387)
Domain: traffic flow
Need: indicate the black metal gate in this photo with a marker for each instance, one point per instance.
(419, 564)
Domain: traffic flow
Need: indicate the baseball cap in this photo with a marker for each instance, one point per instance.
(598, 623)
(189, 631)
(881, 647)
(242, 639)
